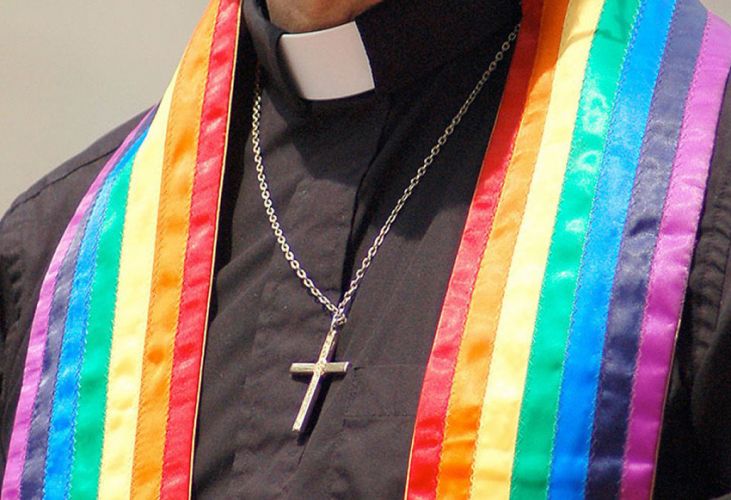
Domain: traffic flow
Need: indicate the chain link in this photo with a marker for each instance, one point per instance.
(339, 311)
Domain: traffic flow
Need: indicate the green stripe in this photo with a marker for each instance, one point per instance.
(94, 372)
(536, 429)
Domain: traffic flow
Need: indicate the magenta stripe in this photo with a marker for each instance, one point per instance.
(673, 253)
(39, 330)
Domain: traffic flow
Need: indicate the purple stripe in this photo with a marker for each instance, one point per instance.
(673, 253)
(629, 289)
(39, 329)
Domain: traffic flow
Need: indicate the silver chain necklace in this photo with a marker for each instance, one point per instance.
(339, 311)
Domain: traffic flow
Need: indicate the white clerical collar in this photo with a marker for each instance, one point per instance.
(392, 44)
(327, 64)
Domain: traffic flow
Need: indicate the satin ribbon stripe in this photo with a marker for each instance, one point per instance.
(47, 457)
(133, 294)
(111, 358)
(193, 315)
(503, 395)
(628, 144)
(602, 83)
(73, 352)
(465, 406)
(55, 403)
(454, 470)
(93, 377)
(39, 438)
(98, 372)
(179, 165)
(672, 257)
(35, 463)
(624, 324)
(548, 342)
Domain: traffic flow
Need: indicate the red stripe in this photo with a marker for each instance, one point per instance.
(434, 401)
(192, 323)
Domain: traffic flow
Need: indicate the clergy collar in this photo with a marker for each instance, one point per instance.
(385, 48)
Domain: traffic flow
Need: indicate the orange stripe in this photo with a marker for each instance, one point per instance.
(473, 363)
(172, 233)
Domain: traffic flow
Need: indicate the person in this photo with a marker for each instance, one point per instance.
(447, 256)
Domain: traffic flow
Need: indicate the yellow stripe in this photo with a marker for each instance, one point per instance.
(504, 392)
(179, 168)
(478, 340)
(128, 341)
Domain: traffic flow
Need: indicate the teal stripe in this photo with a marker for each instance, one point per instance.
(34, 468)
(89, 434)
(531, 467)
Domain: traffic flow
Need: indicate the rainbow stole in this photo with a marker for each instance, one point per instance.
(551, 358)
(550, 365)
(109, 398)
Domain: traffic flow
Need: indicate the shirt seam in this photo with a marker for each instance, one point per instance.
(32, 194)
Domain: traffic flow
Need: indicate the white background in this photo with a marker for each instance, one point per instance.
(72, 70)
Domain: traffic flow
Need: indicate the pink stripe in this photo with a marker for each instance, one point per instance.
(39, 332)
(673, 253)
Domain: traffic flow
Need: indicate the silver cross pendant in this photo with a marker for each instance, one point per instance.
(321, 368)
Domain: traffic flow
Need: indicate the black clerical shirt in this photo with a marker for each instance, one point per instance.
(336, 168)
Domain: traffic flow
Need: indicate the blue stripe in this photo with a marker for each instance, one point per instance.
(581, 370)
(627, 300)
(62, 426)
(35, 461)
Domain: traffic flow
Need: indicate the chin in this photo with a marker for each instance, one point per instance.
(311, 15)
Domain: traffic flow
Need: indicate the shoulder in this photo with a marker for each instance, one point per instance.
(32, 227)
(29, 234)
(40, 214)
(63, 176)
(699, 401)
(710, 265)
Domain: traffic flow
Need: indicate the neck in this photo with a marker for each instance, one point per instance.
(299, 16)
